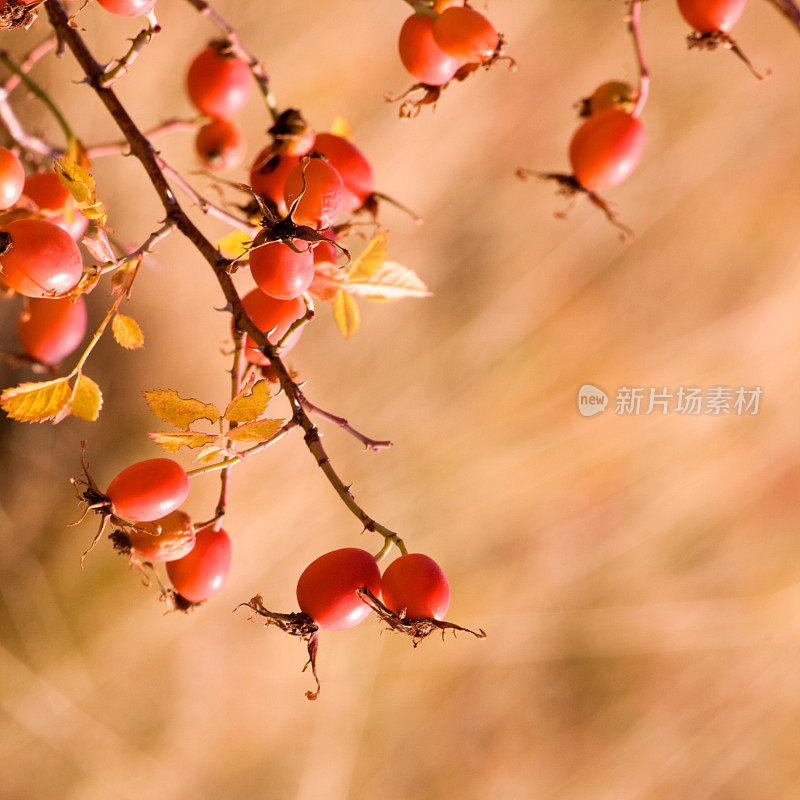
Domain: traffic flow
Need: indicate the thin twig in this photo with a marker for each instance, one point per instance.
(175, 125)
(138, 43)
(226, 463)
(143, 151)
(37, 90)
(237, 373)
(146, 247)
(370, 444)
(28, 142)
(634, 25)
(205, 205)
(28, 62)
(789, 9)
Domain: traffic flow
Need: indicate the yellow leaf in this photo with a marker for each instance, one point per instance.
(346, 313)
(36, 402)
(172, 442)
(341, 127)
(87, 282)
(80, 184)
(127, 332)
(207, 455)
(250, 403)
(253, 432)
(123, 277)
(391, 282)
(235, 244)
(370, 260)
(180, 412)
(77, 179)
(87, 399)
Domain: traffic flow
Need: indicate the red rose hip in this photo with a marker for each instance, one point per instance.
(415, 583)
(420, 54)
(49, 330)
(149, 489)
(203, 572)
(40, 260)
(606, 149)
(326, 590)
(219, 83)
(280, 271)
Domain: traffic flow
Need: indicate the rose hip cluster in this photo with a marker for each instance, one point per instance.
(144, 502)
(40, 260)
(338, 590)
(608, 146)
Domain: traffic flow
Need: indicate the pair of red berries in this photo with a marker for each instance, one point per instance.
(412, 585)
(150, 493)
(49, 328)
(433, 49)
(219, 83)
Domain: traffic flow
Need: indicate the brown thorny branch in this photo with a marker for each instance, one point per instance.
(141, 148)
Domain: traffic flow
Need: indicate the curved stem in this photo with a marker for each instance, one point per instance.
(143, 150)
(28, 62)
(175, 125)
(634, 25)
(789, 9)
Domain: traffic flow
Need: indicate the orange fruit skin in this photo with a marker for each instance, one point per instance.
(606, 149)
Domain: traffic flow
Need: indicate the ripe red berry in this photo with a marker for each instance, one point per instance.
(353, 168)
(271, 315)
(709, 16)
(280, 271)
(326, 590)
(165, 539)
(268, 175)
(128, 8)
(51, 197)
(321, 191)
(205, 569)
(465, 34)
(219, 83)
(606, 149)
(416, 584)
(420, 54)
(41, 259)
(12, 178)
(148, 489)
(220, 145)
(49, 330)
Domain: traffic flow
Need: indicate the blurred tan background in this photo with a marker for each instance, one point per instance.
(639, 577)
